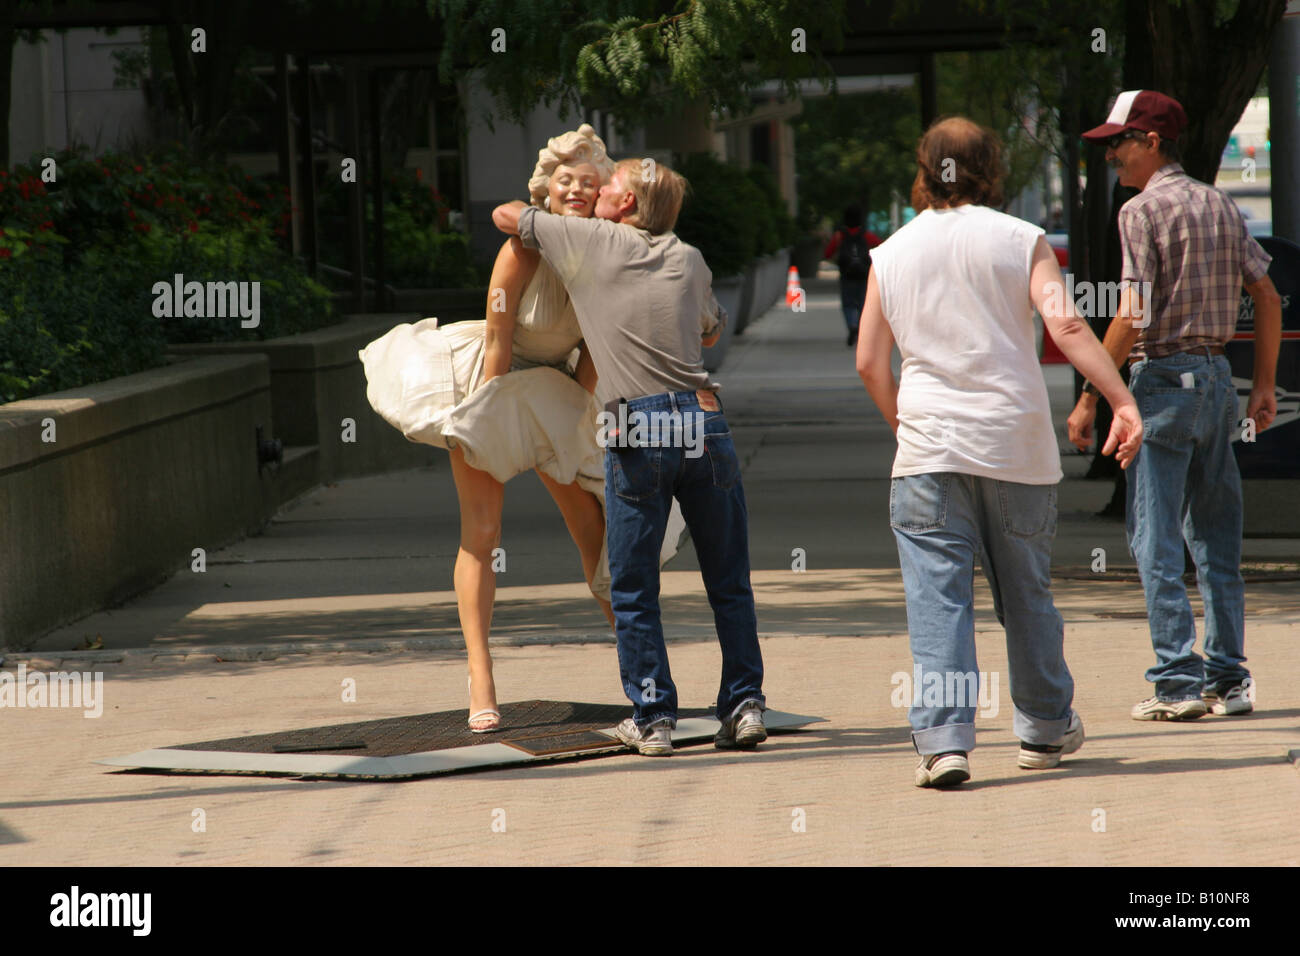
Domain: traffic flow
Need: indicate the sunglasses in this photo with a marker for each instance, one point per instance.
(1115, 141)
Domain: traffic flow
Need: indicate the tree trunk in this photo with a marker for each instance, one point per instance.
(1212, 69)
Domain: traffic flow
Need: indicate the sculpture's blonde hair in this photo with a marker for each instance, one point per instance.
(568, 149)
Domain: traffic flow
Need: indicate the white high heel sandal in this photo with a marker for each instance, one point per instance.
(484, 714)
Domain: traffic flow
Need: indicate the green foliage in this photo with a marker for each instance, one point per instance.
(855, 148)
(773, 225)
(719, 216)
(100, 200)
(637, 58)
(992, 88)
(65, 327)
(419, 252)
(79, 258)
(289, 301)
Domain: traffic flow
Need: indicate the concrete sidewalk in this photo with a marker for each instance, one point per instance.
(353, 581)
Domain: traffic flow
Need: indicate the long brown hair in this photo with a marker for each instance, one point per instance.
(957, 161)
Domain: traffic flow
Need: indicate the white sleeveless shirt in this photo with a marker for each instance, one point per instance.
(954, 287)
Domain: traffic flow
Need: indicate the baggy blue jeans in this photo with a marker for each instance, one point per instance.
(1184, 485)
(942, 522)
(640, 484)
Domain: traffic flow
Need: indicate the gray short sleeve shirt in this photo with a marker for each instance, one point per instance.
(644, 302)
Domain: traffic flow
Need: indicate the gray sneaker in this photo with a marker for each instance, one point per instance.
(744, 731)
(653, 740)
(1232, 699)
(1153, 708)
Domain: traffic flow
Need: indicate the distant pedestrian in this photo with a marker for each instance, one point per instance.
(850, 249)
(977, 465)
(1187, 243)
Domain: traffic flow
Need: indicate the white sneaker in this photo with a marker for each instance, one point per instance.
(943, 770)
(1047, 756)
(653, 740)
(1233, 699)
(1153, 708)
(744, 731)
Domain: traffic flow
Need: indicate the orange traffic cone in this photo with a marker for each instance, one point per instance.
(1052, 354)
(792, 289)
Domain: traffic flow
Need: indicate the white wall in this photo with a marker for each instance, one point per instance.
(63, 93)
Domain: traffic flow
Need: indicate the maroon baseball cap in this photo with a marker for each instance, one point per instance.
(1144, 110)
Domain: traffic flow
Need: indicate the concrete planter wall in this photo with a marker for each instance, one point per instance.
(773, 271)
(317, 383)
(727, 291)
(141, 470)
(747, 287)
(764, 282)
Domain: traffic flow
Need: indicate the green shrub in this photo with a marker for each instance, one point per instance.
(419, 251)
(64, 327)
(112, 199)
(779, 230)
(718, 216)
(290, 302)
(79, 258)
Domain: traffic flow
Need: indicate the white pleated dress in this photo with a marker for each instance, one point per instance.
(428, 382)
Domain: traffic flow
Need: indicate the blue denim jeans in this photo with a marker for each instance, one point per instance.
(853, 296)
(640, 484)
(1184, 485)
(942, 522)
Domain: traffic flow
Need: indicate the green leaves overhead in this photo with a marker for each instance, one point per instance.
(638, 58)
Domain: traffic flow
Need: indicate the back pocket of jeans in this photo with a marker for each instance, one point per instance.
(635, 472)
(722, 459)
(1027, 510)
(919, 502)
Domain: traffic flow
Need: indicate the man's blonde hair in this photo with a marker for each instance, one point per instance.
(659, 192)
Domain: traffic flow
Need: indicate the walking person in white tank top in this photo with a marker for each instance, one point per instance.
(977, 464)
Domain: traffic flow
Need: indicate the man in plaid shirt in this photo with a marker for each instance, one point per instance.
(1187, 244)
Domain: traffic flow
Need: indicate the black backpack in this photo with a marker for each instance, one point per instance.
(854, 259)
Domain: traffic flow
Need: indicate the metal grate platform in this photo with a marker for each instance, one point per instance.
(444, 730)
(427, 744)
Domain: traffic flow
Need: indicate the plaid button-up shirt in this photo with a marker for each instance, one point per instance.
(1189, 241)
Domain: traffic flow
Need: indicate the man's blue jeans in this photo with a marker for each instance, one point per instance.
(853, 296)
(640, 484)
(942, 522)
(1184, 485)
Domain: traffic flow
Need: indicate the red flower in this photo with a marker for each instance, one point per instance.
(419, 173)
(5, 253)
(139, 169)
(142, 226)
(194, 226)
